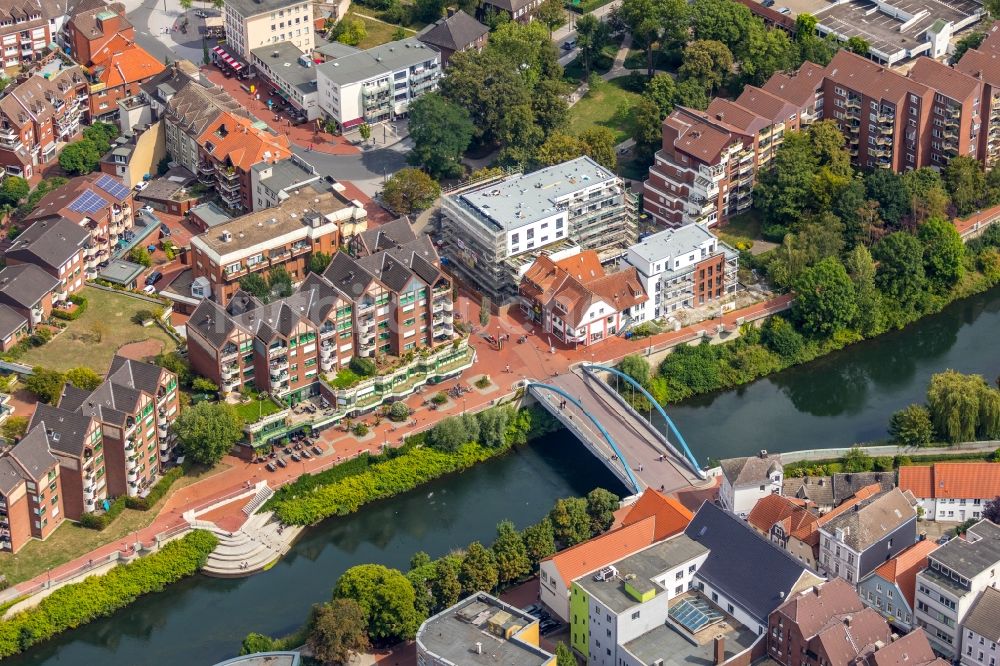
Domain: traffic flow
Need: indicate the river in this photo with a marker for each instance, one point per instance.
(844, 398)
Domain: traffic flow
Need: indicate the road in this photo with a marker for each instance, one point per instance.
(568, 31)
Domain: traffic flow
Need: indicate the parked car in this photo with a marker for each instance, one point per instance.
(149, 289)
(165, 230)
(281, 462)
(153, 278)
(569, 45)
(785, 10)
(270, 467)
(768, 3)
(141, 185)
(317, 450)
(147, 209)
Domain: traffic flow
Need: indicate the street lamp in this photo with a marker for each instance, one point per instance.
(463, 405)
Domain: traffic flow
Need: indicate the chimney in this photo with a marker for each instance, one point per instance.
(847, 620)
(720, 650)
(816, 590)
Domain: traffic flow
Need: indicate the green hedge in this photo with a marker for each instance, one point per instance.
(98, 522)
(79, 603)
(81, 307)
(156, 492)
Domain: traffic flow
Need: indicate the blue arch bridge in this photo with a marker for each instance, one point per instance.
(643, 450)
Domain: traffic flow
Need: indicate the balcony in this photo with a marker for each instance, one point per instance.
(231, 199)
(164, 446)
(133, 476)
(325, 351)
(89, 492)
(205, 168)
(326, 365)
(131, 463)
(161, 418)
(853, 103)
(162, 430)
(886, 118)
(277, 372)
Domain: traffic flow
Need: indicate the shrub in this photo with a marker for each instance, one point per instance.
(483, 382)
(156, 492)
(360, 429)
(98, 522)
(142, 316)
(98, 596)
(364, 367)
(911, 426)
(439, 398)
(399, 411)
(81, 306)
(345, 379)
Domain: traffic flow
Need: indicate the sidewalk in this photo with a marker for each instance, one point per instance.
(538, 357)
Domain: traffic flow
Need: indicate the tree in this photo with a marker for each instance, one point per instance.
(14, 427)
(770, 51)
(861, 267)
(386, 598)
(966, 184)
(643, 20)
(139, 255)
(784, 192)
(410, 191)
(972, 40)
(890, 191)
(350, 31)
(558, 148)
(782, 338)
(991, 510)
(900, 275)
(707, 61)
(176, 364)
(255, 285)
(479, 570)
(647, 129)
(445, 586)
(80, 157)
(564, 655)
(911, 426)
(724, 21)
(441, 132)
(493, 425)
(46, 384)
(570, 521)
(318, 261)
(430, 10)
(337, 631)
(484, 311)
(84, 378)
(101, 135)
(636, 367)
(186, 4)
(448, 434)
(857, 460)
(207, 431)
(510, 554)
(811, 46)
(599, 144)
(279, 282)
(539, 541)
(927, 194)
(552, 14)
(944, 253)
(662, 91)
(591, 36)
(963, 407)
(601, 507)
(13, 190)
(824, 298)
(365, 130)
(203, 385)
(859, 45)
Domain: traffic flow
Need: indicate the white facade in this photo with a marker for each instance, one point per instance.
(553, 591)
(978, 650)
(250, 25)
(377, 85)
(951, 510)
(742, 499)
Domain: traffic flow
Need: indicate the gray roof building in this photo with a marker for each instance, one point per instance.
(984, 617)
(750, 470)
(210, 214)
(335, 50)
(968, 557)
(457, 32)
(873, 520)
(122, 272)
(11, 321)
(480, 629)
(66, 430)
(25, 285)
(677, 242)
(283, 60)
(49, 243)
(753, 572)
(32, 454)
(377, 61)
(254, 7)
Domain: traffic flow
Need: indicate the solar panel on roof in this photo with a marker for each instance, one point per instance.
(113, 187)
(88, 202)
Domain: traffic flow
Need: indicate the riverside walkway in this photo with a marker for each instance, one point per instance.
(640, 453)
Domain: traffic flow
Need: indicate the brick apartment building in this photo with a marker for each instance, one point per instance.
(708, 161)
(36, 115)
(391, 300)
(230, 146)
(58, 247)
(30, 492)
(117, 71)
(983, 64)
(94, 28)
(99, 203)
(26, 31)
(75, 440)
(27, 293)
(307, 222)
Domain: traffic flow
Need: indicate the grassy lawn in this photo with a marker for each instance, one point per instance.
(378, 32)
(743, 228)
(608, 106)
(255, 410)
(93, 339)
(71, 541)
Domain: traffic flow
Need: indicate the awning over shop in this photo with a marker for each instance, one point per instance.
(223, 56)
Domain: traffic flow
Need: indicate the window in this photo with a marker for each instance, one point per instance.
(635, 616)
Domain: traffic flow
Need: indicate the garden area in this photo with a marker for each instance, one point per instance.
(256, 408)
(107, 324)
(609, 105)
(377, 31)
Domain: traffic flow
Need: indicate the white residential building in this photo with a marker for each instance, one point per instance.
(251, 24)
(747, 480)
(949, 587)
(377, 85)
(982, 631)
(494, 230)
(291, 73)
(682, 268)
(952, 492)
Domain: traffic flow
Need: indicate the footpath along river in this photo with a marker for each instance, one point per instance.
(841, 399)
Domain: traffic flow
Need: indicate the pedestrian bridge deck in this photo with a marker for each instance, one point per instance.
(644, 456)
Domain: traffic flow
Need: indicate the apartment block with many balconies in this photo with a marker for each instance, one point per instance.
(984, 65)
(494, 230)
(26, 28)
(30, 492)
(99, 203)
(58, 247)
(77, 442)
(307, 221)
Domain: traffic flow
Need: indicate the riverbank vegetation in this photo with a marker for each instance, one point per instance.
(97, 596)
(863, 253)
(960, 408)
(858, 460)
(452, 445)
(392, 604)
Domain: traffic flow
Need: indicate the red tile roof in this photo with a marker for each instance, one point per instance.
(982, 64)
(121, 61)
(237, 140)
(946, 80)
(773, 509)
(602, 550)
(903, 568)
(968, 480)
(671, 516)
